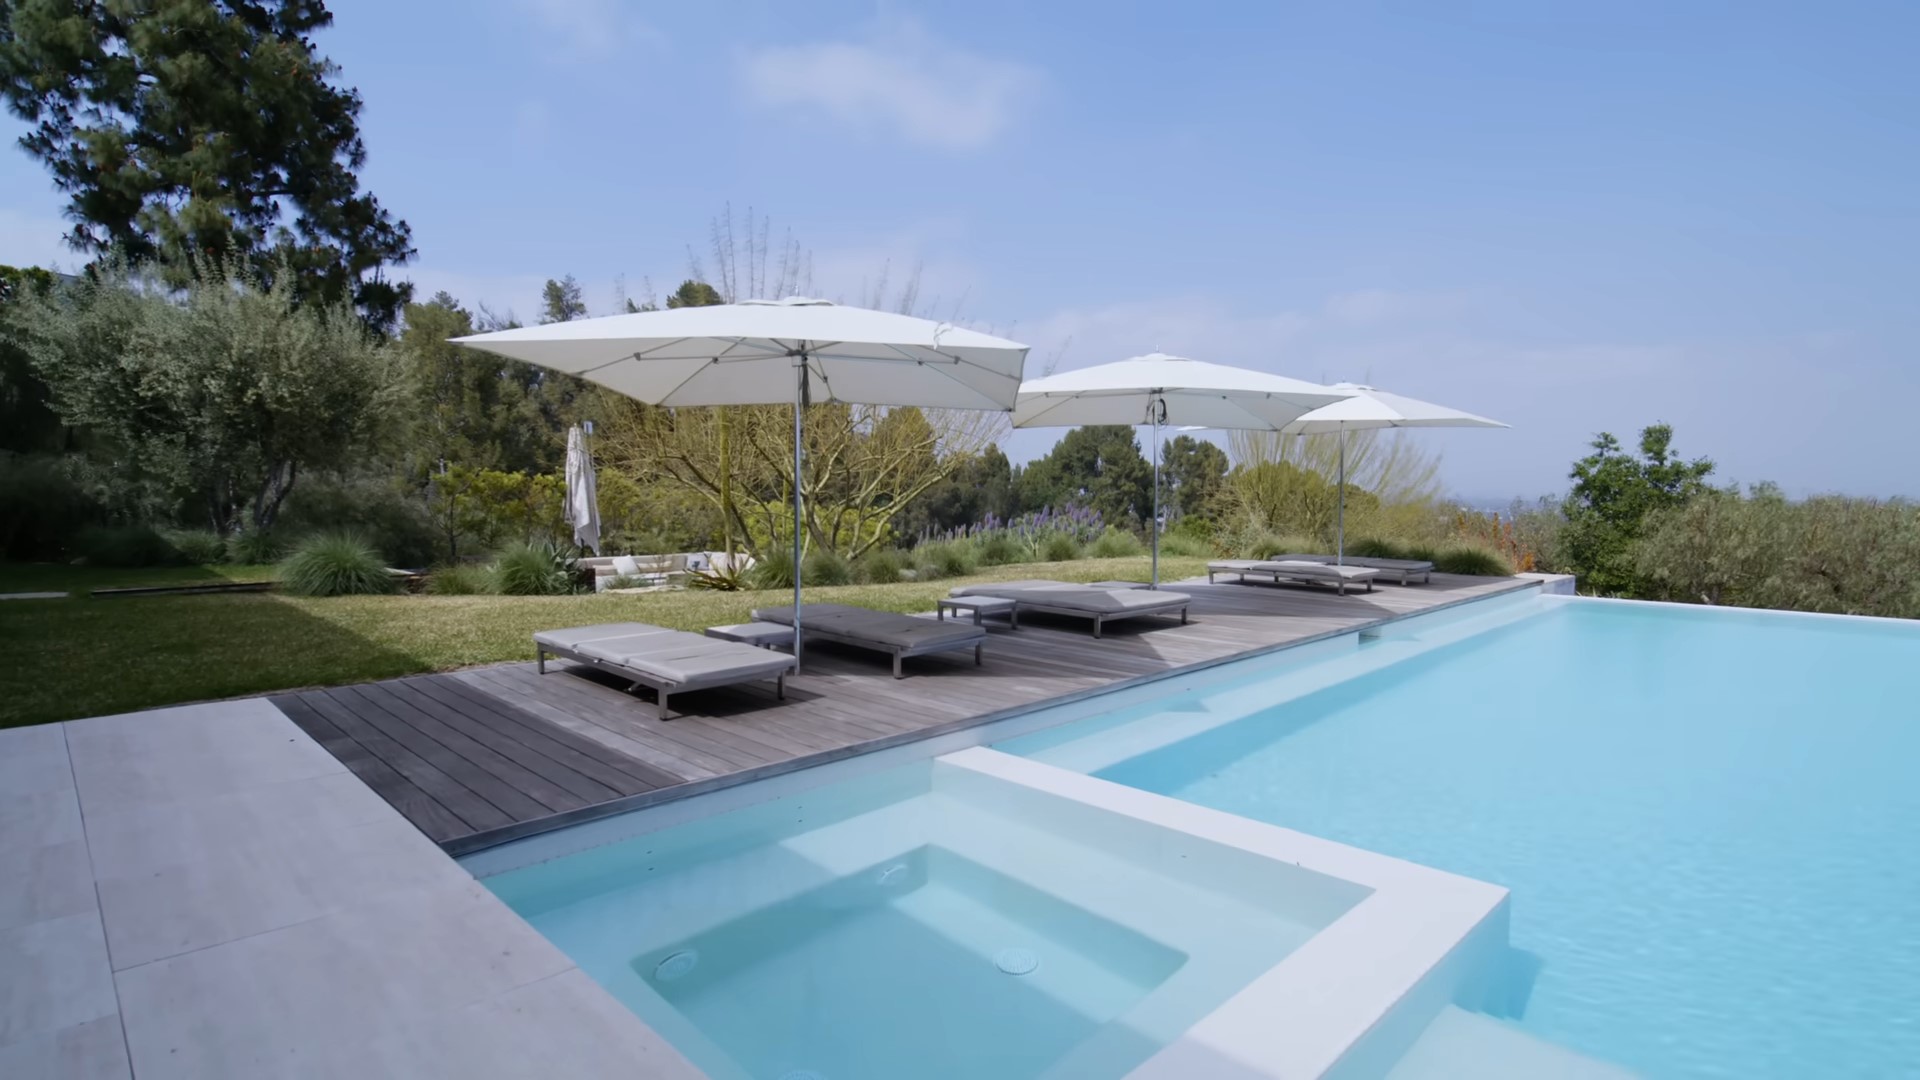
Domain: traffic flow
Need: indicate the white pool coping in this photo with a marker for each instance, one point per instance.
(1356, 994)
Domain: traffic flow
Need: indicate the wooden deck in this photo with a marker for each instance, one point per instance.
(478, 757)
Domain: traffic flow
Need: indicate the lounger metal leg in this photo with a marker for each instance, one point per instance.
(977, 661)
(896, 667)
(1096, 626)
(1013, 617)
(780, 686)
(540, 659)
(1183, 616)
(661, 712)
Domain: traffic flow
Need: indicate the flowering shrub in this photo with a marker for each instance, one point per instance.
(1036, 533)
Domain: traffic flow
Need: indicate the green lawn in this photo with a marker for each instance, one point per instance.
(59, 577)
(86, 657)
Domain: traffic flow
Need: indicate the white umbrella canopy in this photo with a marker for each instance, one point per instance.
(745, 354)
(772, 352)
(583, 499)
(1160, 389)
(1370, 408)
(1193, 393)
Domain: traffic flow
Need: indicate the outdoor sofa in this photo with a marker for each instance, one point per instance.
(880, 631)
(1406, 570)
(1082, 601)
(669, 661)
(1306, 573)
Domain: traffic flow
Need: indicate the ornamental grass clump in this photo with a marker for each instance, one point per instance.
(462, 580)
(943, 559)
(533, 570)
(335, 564)
(196, 547)
(879, 566)
(826, 568)
(1115, 543)
(1469, 559)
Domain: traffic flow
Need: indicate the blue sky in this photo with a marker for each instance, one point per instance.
(1569, 217)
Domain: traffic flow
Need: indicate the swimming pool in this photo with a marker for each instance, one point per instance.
(1705, 817)
(942, 919)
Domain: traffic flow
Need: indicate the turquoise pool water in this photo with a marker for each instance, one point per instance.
(1707, 818)
(926, 922)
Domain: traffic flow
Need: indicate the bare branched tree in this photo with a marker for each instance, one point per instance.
(1289, 482)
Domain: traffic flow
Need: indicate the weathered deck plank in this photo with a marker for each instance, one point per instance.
(479, 756)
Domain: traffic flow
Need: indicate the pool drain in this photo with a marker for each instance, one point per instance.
(1016, 961)
(676, 965)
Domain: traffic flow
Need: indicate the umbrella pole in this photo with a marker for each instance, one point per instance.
(1340, 515)
(1154, 582)
(799, 410)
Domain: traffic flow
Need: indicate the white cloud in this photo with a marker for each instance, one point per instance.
(587, 28)
(897, 80)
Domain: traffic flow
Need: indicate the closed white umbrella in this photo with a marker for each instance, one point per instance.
(770, 352)
(1159, 389)
(1371, 408)
(583, 500)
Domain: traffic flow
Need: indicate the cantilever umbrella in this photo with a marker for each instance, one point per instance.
(1159, 389)
(772, 352)
(1370, 408)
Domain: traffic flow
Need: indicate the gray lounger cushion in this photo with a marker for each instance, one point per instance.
(667, 660)
(1065, 594)
(686, 658)
(1086, 601)
(1403, 568)
(1322, 573)
(574, 637)
(882, 631)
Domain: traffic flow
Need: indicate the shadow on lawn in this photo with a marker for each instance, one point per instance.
(87, 656)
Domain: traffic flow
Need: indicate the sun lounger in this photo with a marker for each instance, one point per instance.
(1403, 569)
(669, 661)
(1083, 601)
(880, 631)
(1307, 573)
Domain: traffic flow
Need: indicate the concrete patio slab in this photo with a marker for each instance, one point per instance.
(268, 915)
(163, 898)
(189, 752)
(53, 975)
(94, 1050)
(409, 957)
(45, 881)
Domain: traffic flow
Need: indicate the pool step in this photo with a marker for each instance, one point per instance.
(1462, 1045)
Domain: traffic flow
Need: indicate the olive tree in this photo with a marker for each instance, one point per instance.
(220, 394)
